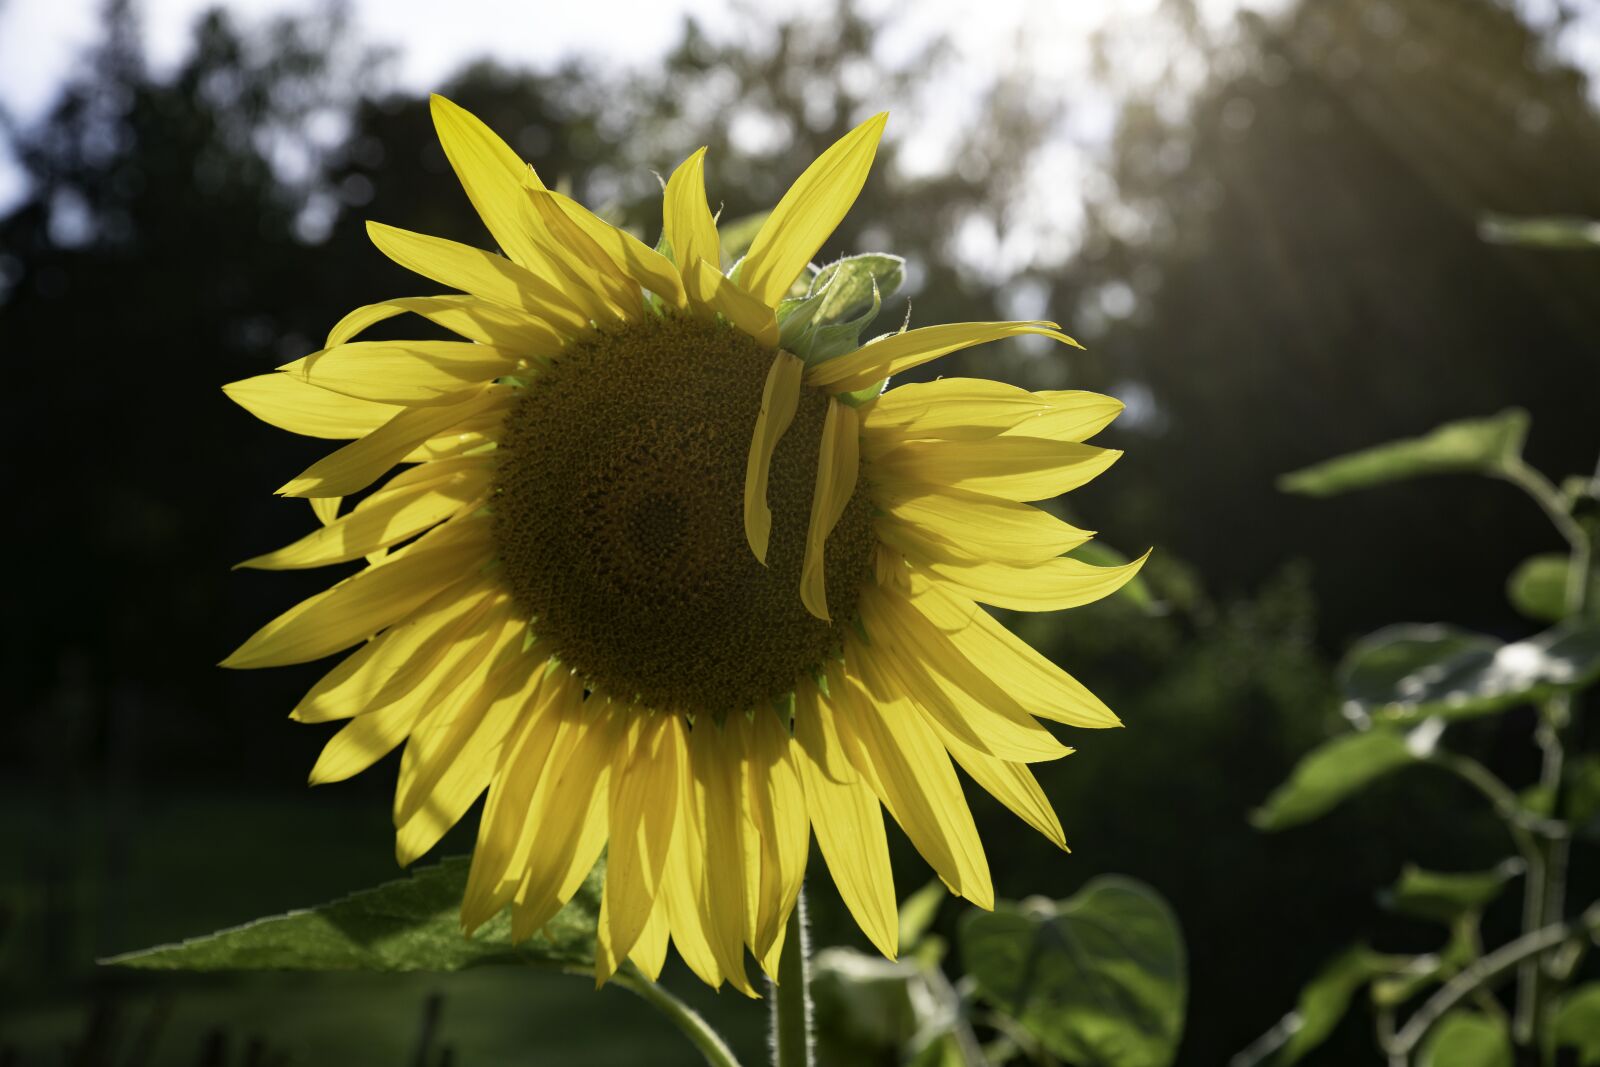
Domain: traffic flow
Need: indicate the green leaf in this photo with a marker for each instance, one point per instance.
(1576, 1023)
(1410, 672)
(1136, 592)
(1098, 978)
(1466, 1039)
(408, 925)
(1330, 773)
(1445, 897)
(1471, 445)
(1538, 587)
(918, 911)
(1564, 232)
(1327, 997)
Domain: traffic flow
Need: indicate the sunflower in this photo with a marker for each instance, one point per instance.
(666, 590)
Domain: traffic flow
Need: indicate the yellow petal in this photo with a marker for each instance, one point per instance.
(964, 409)
(776, 802)
(411, 502)
(404, 372)
(593, 281)
(495, 876)
(1013, 468)
(837, 467)
(369, 600)
(848, 821)
(643, 812)
(989, 649)
(464, 686)
(712, 290)
(780, 396)
(1011, 783)
(686, 221)
(361, 462)
(809, 212)
(357, 684)
(491, 173)
(294, 405)
(483, 274)
(571, 791)
(370, 737)
(683, 889)
(453, 444)
(467, 316)
(1054, 585)
(879, 359)
(464, 773)
(973, 526)
(919, 785)
(921, 663)
(723, 804)
(650, 951)
(647, 267)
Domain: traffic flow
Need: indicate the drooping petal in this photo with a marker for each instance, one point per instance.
(848, 821)
(643, 813)
(460, 770)
(775, 800)
(917, 660)
(723, 801)
(714, 291)
(1009, 782)
(686, 221)
(361, 462)
(369, 600)
(918, 785)
(779, 399)
(369, 737)
(990, 650)
(495, 874)
(1013, 468)
(295, 405)
(571, 794)
(879, 359)
(809, 212)
(837, 467)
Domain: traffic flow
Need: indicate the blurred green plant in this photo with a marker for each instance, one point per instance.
(1404, 688)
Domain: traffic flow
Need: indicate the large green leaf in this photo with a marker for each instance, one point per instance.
(1409, 672)
(1551, 231)
(1098, 978)
(1466, 1039)
(1446, 896)
(1327, 997)
(408, 925)
(1470, 445)
(1538, 587)
(1577, 1023)
(1330, 773)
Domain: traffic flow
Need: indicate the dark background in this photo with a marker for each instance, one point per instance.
(1284, 267)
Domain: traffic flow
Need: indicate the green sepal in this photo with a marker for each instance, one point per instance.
(848, 284)
(827, 341)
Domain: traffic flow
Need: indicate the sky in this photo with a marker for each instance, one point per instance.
(41, 39)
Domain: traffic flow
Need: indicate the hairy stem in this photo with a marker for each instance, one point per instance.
(686, 1019)
(791, 994)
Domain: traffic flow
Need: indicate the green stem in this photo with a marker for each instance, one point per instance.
(685, 1018)
(1548, 497)
(791, 994)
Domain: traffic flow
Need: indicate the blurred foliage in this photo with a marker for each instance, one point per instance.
(1278, 261)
